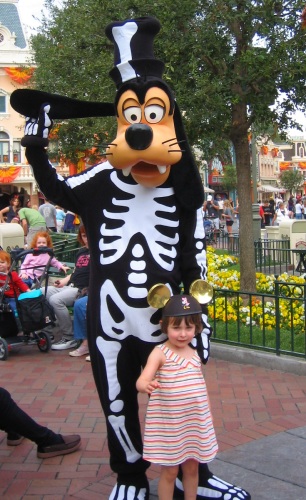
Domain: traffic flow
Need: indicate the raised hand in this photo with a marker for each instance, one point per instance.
(37, 129)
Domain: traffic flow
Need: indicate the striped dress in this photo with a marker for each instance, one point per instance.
(178, 421)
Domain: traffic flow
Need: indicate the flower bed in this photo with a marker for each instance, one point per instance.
(257, 310)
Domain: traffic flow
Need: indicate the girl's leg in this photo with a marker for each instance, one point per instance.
(13, 305)
(190, 470)
(28, 282)
(166, 482)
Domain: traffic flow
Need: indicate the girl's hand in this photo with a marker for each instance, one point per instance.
(154, 384)
(23, 276)
(65, 269)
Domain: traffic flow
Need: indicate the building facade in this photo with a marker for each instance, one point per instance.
(271, 160)
(16, 69)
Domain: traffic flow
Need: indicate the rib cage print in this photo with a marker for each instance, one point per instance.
(156, 220)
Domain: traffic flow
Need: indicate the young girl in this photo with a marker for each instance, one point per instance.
(178, 428)
(33, 265)
(15, 284)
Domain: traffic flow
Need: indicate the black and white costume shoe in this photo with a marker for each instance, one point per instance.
(214, 488)
(124, 490)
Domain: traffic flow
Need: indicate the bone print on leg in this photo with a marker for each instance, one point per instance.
(118, 424)
(109, 351)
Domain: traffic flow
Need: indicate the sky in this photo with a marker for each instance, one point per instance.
(30, 8)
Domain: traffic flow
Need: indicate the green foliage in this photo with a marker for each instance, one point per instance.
(229, 180)
(218, 55)
(228, 63)
(292, 180)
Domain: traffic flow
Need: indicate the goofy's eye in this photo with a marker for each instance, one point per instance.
(132, 114)
(154, 113)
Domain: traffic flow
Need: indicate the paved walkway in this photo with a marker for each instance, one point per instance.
(259, 416)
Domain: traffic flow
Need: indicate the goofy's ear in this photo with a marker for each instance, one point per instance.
(185, 175)
(28, 102)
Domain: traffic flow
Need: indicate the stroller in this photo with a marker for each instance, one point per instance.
(34, 312)
(209, 228)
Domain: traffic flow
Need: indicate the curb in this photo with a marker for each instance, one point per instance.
(258, 358)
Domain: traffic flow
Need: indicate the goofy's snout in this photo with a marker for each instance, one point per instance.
(139, 136)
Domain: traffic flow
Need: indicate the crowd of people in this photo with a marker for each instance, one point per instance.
(13, 420)
(275, 209)
(34, 219)
(217, 210)
(38, 223)
(272, 211)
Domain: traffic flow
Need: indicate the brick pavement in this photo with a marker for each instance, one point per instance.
(248, 403)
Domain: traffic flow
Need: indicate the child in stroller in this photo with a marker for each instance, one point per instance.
(209, 229)
(33, 266)
(11, 287)
(23, 312)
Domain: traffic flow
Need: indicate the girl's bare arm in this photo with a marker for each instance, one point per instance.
(147, 382)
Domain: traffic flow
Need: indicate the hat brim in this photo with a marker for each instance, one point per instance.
(28, 102)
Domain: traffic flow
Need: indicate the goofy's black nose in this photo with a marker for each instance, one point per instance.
(139, 136)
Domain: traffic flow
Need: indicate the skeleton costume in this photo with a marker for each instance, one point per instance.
(138, 236)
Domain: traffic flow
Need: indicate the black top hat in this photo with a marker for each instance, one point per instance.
(181, 305)
(134, 56)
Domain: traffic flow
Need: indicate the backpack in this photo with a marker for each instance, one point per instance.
(34, 311)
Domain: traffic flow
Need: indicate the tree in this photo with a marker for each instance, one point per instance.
(232, 64)
(292, 180)
(229, 179)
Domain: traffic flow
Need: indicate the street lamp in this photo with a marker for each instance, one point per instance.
(255, 205)
(204, 168)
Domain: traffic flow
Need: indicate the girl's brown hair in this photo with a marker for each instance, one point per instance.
(42, 234)
(81, 231)
(5, 256)
(192, 319)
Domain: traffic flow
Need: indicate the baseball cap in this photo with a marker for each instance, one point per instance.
(181, 305)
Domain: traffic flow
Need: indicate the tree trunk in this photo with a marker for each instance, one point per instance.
(243, 165)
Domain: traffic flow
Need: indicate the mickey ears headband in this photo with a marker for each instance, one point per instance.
(159, 295)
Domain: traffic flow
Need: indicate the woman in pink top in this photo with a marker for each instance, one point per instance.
(33, 265)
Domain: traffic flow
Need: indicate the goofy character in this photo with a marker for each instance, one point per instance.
(142, 213)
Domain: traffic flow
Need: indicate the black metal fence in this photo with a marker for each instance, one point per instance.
(223, 241)
(271, 256)
(274, 256)
(270, 322)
